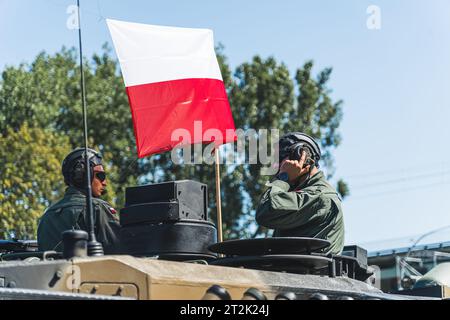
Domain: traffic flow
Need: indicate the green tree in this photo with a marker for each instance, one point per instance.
(29, 177)
(46, 93)
(262, 94)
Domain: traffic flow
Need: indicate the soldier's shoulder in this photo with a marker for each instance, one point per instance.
(330, 196)
(323, 190)
(325, 187)
(99, 201)
(65, 202)
(104, 205)
(63, 207)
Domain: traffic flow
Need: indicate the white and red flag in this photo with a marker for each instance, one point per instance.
(173, 80)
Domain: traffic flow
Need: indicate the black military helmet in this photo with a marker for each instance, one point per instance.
(73, 166)
(292, 144)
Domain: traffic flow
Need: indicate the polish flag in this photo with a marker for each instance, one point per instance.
(173, 81)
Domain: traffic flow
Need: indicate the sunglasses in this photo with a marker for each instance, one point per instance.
(100, 175)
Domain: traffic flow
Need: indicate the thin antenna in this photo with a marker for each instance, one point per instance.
(95, 248)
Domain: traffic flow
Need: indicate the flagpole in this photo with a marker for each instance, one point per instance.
(218, 197)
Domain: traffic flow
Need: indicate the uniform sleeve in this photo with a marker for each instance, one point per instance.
(283, 209)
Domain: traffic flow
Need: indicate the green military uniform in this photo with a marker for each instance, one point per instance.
(70, 212)
(314, 211)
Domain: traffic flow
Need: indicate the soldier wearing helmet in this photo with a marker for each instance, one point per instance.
(70, 212)
(299, 201)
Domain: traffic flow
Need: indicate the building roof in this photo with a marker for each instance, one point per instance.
(441, 246)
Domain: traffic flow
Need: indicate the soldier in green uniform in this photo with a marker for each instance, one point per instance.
(299, 201)
(70, 212)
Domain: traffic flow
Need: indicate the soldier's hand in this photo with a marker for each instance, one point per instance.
(294, 168)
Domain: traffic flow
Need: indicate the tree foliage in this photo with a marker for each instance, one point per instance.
(46, 95)
(29, 176)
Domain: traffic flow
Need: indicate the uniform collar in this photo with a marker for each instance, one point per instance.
(315, 178)
(71, 190)
(312, 180)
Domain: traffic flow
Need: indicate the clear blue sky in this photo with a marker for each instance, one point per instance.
(395, 83)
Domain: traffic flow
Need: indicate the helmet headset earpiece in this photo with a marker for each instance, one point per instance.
(74, 168)
(296, 154)
(79, 173)
(293, 144)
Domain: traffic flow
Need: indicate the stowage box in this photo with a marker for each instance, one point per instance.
(167, 201)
